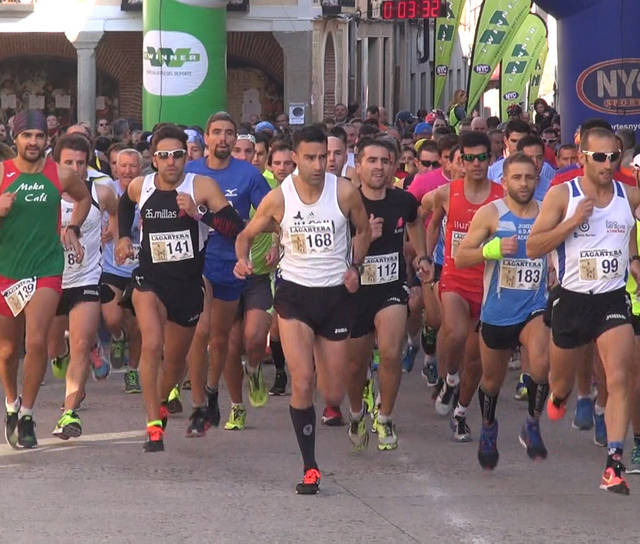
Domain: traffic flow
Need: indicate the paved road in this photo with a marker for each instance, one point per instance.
(238, 486)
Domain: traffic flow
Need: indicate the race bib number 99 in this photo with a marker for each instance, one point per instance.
(19, 294)
(521, 274)
(168, 247)
(379, 269)
(313, 238)
(600, 265)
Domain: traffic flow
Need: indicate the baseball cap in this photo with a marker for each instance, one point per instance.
(431, 117)
(264, 125)
(405, 116)
(423, 128)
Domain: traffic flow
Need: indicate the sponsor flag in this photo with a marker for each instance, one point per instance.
(536, 75)
(445, 35)
(498, 21)
(520, 60)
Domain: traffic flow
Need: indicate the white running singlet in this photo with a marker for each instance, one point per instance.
(594, 257)
(315, 237)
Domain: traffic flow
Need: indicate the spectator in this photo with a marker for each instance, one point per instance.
(497, 144)
(628, 138)
(340, 113)
(121, 132)
(456, 111)
(566, 155)
(544, 114)
(479, 124)
(373, 113)
(103, 128)
(550, 139)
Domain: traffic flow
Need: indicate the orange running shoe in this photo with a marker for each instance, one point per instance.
(613, 481)
(310, 482)
(155, 436)
(164, 414)
(556, 412)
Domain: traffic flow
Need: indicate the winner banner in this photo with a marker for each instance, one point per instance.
(498, 22)
(520, 61)
(445, 36)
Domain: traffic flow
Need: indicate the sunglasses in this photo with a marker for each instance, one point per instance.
(612, 156)
(429, 164)
(468, 157)
(176, 154)
(549, 140)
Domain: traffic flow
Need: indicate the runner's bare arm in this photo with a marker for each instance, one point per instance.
(266, 219)
(549, 229)
(126, 214)
(350, 202)
(108, 201)
(482, 227)
(77, 190)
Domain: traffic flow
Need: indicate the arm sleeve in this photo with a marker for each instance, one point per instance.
(226, 221)
(126, 214)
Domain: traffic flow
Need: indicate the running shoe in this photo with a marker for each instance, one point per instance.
(258, 394)
(461, 431)
(583, 418)
(600, 431)
(438, 387)
(332, 416)
(198, 423)
(612, 479)
(59, 366)
(531, 439)
(11, 428)
(117, 351)
(430, 370)
(68, 426)
(409, 358)
(186, 385)
(155, 439)
(100, 366)
(27, 432)
(387, 437)
(164, 414)
(555, 410)
(132, 382)
(237, 418)
(634, 466)
(310, 483)
(488, 446)
(375, 361)
(174, 404)
(444, 401)
(522, 393)
(213, 410)
(428, 337)
(279, 386)
(358, 434)
(514, 360)
(374, 419)
(368, 396)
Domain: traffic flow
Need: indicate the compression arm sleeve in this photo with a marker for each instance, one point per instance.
(126, 214)
(226, 221)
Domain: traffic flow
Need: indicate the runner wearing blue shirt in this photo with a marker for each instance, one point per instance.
(243, 186)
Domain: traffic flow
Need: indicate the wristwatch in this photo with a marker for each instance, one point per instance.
(202, 210)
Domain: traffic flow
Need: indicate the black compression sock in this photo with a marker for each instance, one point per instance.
(537, 393)
(304, 424)
(488, 405)
(277, 354)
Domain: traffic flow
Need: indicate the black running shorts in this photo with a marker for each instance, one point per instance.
(75, 295)
(366, 302)
(505, 336)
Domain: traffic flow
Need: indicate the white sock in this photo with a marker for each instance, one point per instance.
(460, 411)
(356, 416)
(599, 410)
(119, 337)
(12, 406)
(453, 379)
(25, 412)
(234, 404)
(382, 418)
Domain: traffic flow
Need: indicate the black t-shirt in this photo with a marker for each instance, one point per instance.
(384, 264)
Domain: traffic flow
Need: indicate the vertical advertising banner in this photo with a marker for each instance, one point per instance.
(445, 36)
(520, 60)
(536, 75)
(497, 23)
(598, 62)
(184, 64)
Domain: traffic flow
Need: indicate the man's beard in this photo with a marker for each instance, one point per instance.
(221, 154)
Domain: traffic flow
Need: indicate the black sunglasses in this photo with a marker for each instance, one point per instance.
(468, 157)
(429, 164)
(612, 156)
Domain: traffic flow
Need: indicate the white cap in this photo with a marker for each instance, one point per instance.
(635, 163)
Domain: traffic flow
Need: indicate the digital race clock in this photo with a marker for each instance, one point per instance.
(413, 9)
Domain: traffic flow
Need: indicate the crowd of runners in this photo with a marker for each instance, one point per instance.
(342, 251)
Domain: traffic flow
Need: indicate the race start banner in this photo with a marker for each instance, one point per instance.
(445, 37)
(519, 62)
(536, 75)
(598, 62)
(499, 20)
(184, 63)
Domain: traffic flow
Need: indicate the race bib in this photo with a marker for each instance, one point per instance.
(19, 294)
(70, 260)
(312, 238)
(521, 274)
(168, 247)
(379, 269)
(136, 253)
(600, 264)
(456, 239)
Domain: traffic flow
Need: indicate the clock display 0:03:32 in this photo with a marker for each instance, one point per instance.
(411, 9)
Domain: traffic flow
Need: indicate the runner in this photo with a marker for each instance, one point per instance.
(513, 304)
(379, 307)
(312, 210)
(588, 223)
(166, 291)
(461, 290)
(243, 186)
(31, 264)
(79, 308)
